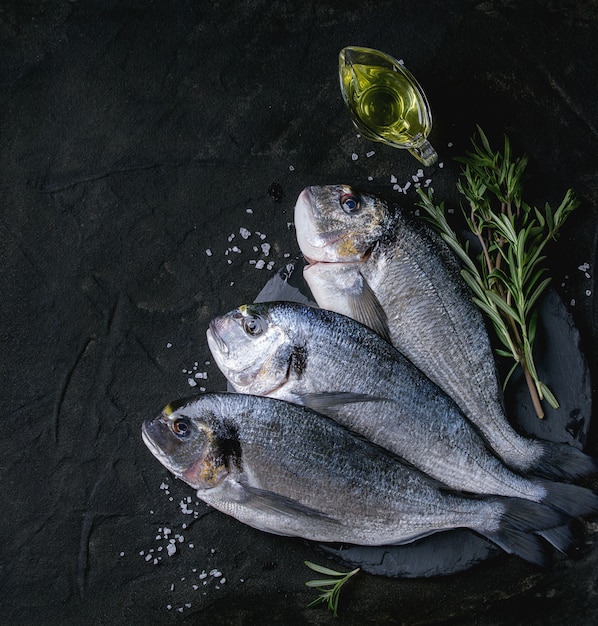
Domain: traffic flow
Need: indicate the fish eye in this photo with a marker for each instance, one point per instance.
(350, 203)
(253, 325)
(181, 427)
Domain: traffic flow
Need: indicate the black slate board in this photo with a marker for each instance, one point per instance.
(561, 365)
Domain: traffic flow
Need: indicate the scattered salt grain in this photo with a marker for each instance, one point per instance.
(291, 168)
(441, 165)
(370, 178)
(260, 264)
(250, 211)
(370, 153)
(231, 237)
(588, 292)
(122, 554)
(208, 252)
(169, 345)
(572, 302)
(393, 178)
(244, 233)
(354, 157)
(235, 249)
(171, 549)
(266, 249)
(450, 144)
(420, 173)
(414, 178)
(191, 382)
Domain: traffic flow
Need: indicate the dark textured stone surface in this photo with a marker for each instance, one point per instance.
(134, 137)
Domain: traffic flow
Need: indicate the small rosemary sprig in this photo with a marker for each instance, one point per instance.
(508, 276)
(330, 587)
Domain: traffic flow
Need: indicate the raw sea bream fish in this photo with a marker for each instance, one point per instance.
(287, 470)
(343, 369)
(387, 269)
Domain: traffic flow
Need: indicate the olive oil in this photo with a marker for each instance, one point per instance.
(385, 101)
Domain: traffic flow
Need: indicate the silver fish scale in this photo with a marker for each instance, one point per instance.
(408, 414)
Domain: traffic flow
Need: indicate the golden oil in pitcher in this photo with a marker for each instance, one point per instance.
(385, 101)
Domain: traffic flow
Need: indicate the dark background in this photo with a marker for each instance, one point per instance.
(134, 136)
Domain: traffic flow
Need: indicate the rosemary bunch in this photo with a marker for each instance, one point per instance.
(508, 276)
(330, 587)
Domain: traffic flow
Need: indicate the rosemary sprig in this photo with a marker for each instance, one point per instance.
(330, 587)
(507, 277)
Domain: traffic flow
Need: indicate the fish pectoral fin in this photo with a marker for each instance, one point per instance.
(328, 402)
(366, 308)
(271, 502)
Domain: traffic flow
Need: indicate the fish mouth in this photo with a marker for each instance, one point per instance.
(216, 338)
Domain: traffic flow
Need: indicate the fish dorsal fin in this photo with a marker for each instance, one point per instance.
(366, 308)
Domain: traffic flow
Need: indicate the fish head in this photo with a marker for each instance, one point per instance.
(185, 438)
(337, 223)
(251, 349)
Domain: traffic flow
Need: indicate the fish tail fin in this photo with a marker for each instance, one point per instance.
(573, 500)
(565, 462)
(560, 538)
(520, 525)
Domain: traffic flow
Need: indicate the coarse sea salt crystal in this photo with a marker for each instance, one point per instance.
(208, 252)
(191, 382)
(250, 211)
(260, 264)
(291, 168)
(266, 249)
(171, 549)
(169, 345)
(588, 292)
(244, 233)
(371, 153)
(393, 178)
(354, 156)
